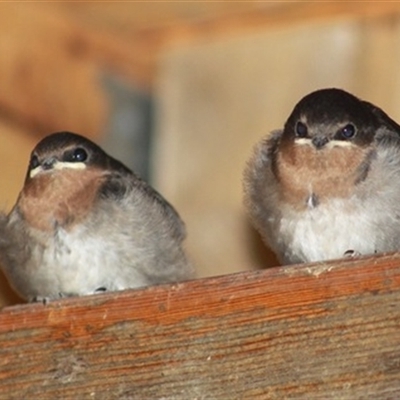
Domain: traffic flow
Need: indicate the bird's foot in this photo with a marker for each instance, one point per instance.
(46, 299)
(39, 299)
(351, 254)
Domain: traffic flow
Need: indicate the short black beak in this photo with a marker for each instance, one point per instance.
(48, 163)
(319, 141)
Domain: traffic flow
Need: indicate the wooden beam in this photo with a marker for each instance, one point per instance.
(116, 36)
(327, 330)
(198, 25)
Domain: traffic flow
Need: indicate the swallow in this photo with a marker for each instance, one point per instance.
(328, 184)
(84, 223)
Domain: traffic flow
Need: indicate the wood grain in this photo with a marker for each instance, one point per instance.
(328, 330)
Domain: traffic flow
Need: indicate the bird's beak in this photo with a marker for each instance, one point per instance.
(319, 141)
(45, 165)
(48, 163)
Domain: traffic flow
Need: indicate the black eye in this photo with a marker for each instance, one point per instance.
(301, 130)
(34, 162)
(79, 155)
(348, 131)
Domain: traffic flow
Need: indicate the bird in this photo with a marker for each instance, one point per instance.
(84, 223)
(327, 185)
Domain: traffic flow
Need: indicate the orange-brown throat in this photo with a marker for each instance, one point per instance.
(308, 176)
(59, 198)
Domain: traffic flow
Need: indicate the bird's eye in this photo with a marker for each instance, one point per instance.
(79, 155)
(348, 131)
(34, 162)
(301, 130)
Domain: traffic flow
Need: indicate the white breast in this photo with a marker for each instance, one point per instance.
(327, 231)
(80, 263)
(367, 222)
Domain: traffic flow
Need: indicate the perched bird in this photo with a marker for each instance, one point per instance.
(328, 184)
(85, 223)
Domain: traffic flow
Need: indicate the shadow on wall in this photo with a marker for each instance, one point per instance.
(7, 295)
(259, 251)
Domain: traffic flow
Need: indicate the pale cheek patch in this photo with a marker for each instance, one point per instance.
(303, 142)
(58, 166)
(331, 144)
(35, 171)
(71, 165)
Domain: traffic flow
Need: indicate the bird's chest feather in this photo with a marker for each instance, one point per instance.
(308, 176)
(327, 231)
(60, 198)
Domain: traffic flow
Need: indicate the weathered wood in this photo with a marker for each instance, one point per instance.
(328, 330)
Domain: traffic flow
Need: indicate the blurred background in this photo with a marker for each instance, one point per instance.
(181, 91)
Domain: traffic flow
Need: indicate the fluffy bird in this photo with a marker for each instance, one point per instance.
(328, 184)
(84, 223)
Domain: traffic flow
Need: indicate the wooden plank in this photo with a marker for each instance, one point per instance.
(328, 330)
